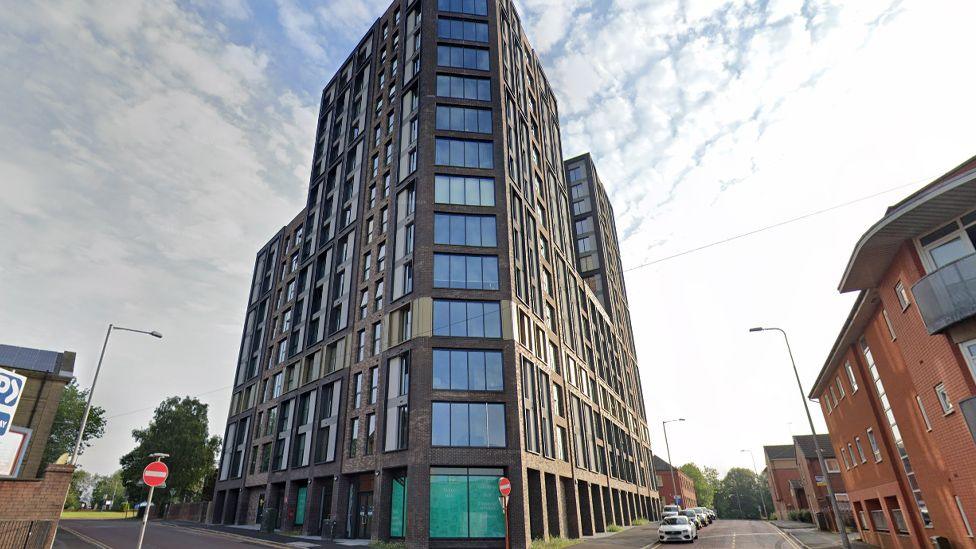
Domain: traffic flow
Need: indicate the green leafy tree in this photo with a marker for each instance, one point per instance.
(67, 422)
(178, 428)
(706, 481)
(109, 488)
(738, 495)
(79, 491)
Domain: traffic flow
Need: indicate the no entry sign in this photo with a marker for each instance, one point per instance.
(504, 486)
(155, 473)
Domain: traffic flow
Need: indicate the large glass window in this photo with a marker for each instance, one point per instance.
(467, 318)
(466, 272)
(463, 119)
(458, 29)
(464, 503)
(398, 507)
(462, 57)
(464, 87)
(474, 424)
(467, 191)
(464, 370)
(473, 7)
(464, 230)
(464, 153)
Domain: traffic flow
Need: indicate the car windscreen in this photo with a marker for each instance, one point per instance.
(675, 521)
(688, 513)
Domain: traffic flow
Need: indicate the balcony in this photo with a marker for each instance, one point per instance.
(948, 295)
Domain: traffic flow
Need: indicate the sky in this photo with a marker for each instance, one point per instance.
(148, 148)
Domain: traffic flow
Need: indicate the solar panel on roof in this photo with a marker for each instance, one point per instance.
(28, 359)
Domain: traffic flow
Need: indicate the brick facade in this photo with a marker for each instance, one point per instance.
(575, 443)
(782, 473)
(887, 340)
(40, 501)
(666, 488)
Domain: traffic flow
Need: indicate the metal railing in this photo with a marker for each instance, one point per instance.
(25, 534)
(948, 295)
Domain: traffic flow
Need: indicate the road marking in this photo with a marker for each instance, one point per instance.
(85, 538)
(790, 540)
(228, 535)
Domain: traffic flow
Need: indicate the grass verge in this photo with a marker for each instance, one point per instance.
(641, 522)
(95, 515)
(388, 545)
(614, 528)
(553, 543)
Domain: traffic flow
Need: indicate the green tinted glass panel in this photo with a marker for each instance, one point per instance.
(449, 506)
(485, 514)
(398, 507)
(300, 510)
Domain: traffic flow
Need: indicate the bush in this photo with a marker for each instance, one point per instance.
(773, 516)
(805, 516)
(553, 543)
(794, 516)
(640, 522)
(614, 528)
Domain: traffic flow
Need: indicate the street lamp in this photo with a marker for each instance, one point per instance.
(762, 500)
(674, 485)
(91, 391)
(823, 463)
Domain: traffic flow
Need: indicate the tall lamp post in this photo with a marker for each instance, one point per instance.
(820, 457)
(674, 485)
(91, 391)
(762, 500)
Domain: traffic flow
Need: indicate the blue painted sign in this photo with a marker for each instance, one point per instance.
(11, 387)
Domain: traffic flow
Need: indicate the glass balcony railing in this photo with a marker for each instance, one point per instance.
(948, 295)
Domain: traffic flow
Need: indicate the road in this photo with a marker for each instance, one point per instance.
(724, 534)
(123, 534)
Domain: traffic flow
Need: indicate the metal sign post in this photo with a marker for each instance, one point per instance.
(505, 488)
(153, 475)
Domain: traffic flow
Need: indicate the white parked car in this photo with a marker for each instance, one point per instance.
(670, 511)
(677, 528)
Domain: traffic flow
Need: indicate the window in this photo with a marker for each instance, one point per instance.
(891, 329)
(467, 318)
(464, 153)
(902, 295)
(969, 353)
(464, 370)
(457, 29)
(925, 415)
(899, 518)
(374, 383)
(965, 519)
(850, 377)
(462, 57)
(944, 400)
(370, 435)
(466, 191)
(832, 465)
(880, 520)
(361, 345)
(464, 503)
(353, 437)
(586, 244)
(398, 507)
(576, 173)
(949, 242)
(464, 87)
(464, 230)
(850, 449)
(363, 304)
(860, 449)
(847, 462)
(840, 388)
(470, 272)
(463, 119)
(367, 265)
(874, 445)
(377, 337)
(357, 383)
(378, 295)
(472, 424)
(472, 7)
(584, 226)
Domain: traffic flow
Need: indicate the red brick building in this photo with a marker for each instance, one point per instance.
(783, 476)
(898, 386)
(666, 488)
(813, 482)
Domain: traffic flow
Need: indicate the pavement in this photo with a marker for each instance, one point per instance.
(119, 534)
(810, 537)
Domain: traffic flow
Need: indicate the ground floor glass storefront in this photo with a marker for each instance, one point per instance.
(464, 503)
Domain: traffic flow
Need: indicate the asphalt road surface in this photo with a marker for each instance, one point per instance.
(123, 534)
(724, 534)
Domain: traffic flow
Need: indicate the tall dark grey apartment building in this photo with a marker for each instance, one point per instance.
(447, 309)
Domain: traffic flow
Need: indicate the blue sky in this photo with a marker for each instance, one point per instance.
(148, 148)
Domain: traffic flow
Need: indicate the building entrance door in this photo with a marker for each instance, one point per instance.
(300, 505)
(364, 510)
(260, 508)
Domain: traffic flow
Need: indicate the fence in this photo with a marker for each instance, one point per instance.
(24, 534)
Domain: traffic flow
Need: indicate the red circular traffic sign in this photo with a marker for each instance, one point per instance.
(155, 473)
(504, 486)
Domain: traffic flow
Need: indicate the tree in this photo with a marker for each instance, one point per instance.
(80, 489)
(738, 495)
(705, 479)
(67, 422)
(108, 488)
(178, 428)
